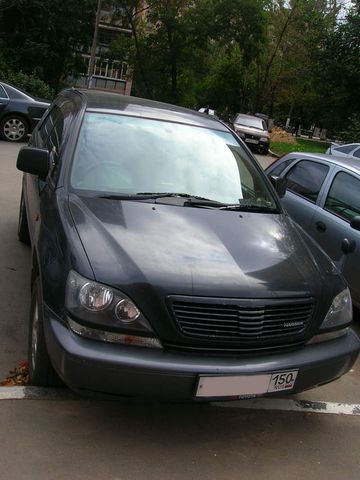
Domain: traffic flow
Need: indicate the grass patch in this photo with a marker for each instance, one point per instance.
(302, 145)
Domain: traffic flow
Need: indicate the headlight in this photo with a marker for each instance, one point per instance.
(340, 312)
(103, 306)
(264, 139)
(95, 297)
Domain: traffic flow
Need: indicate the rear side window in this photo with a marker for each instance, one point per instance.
(306, 179)
(344, 196)
(281, 167)
(357, 153)
(3, 93)
(346, 149)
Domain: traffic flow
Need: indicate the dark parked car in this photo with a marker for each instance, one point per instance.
(323, 196)
(254, 131)
(163, 264)
(19, 113)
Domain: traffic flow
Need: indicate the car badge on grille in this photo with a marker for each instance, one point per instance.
(293, 324)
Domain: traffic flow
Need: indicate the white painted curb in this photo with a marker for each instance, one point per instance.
(277, 404)
(35, 393)
(290, 405)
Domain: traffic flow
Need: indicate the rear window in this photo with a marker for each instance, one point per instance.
(306, 179)
(357, 153)
(345, 149)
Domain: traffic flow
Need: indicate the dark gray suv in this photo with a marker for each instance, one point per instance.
(163, 264)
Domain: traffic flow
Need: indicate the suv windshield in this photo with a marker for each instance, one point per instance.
(252, 122)
(125, 155)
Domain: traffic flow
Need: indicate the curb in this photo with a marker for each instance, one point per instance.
(268, 404)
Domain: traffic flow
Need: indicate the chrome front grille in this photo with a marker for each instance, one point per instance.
(247, 321)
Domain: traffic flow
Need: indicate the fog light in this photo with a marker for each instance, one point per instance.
(126, 311)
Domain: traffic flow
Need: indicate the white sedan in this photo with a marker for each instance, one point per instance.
(348, 150)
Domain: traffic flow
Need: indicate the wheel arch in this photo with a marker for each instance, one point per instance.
(17, 114)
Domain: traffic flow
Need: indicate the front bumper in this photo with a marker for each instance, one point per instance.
(254, 142)
(108, 369)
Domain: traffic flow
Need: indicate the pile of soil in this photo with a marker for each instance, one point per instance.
(280, 135)
(18, 376)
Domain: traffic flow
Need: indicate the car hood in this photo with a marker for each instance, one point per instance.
(250, 130)
(143, 247)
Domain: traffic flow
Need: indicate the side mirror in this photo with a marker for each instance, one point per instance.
(279, 184)
(34, 160)
(355, 223)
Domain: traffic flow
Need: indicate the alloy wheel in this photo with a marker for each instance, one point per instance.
(14, 129)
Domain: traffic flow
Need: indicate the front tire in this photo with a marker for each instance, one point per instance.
(23, 228)
(41, 372)
(14, 128)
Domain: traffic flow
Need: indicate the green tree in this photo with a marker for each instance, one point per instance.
(42, 37)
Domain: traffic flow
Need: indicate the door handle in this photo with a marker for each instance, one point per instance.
(320, 226)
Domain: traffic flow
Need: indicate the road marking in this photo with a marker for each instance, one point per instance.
(36, 393)
(291, 405)
(279, 404)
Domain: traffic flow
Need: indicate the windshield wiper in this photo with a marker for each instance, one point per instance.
(250, 208)
(192, 201)
(154, 195)
(172, 194)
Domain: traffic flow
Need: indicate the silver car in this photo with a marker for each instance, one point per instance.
(349, 150)
(323, 197)
(253, 130)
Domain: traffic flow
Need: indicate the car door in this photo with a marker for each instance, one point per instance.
(304, 183)
(49, 135)
(331, 223)
(4, 100)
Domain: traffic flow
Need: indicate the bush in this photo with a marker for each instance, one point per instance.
(29, 83)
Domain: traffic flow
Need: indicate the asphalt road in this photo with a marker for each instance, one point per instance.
(80, 439)
(265, 160)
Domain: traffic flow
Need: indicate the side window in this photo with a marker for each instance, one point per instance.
(345, 149)
(357, 153)
(344, 196)
(3, 93)
(306, 179)
(46, 129)
(54, 140)
(281, 167)
(54, 131)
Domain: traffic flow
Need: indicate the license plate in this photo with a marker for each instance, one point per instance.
(250, 140)
(243, 385)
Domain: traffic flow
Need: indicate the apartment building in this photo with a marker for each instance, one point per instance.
(108, 74)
